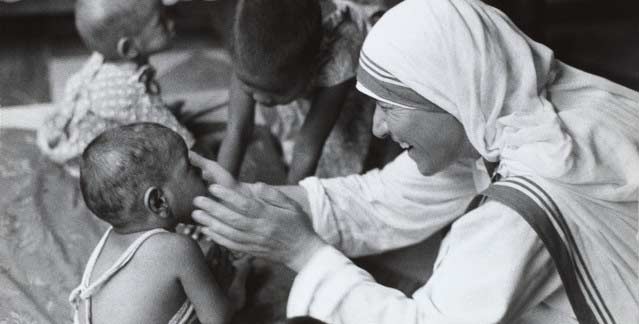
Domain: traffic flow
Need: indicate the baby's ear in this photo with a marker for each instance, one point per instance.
(127, 49)
(156, 201)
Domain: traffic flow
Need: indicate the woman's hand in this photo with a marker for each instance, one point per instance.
(272, 226)
(214, 173)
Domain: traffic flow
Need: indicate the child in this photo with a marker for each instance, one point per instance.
(138, 179)
(296, 61)
(116, 86)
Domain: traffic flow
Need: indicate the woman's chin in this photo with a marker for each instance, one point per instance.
(426, 170)
(424, 167)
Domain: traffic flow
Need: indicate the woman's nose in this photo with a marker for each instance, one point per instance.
(380, 128)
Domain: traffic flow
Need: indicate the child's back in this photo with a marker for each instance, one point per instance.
(139, 275)
(138, 179)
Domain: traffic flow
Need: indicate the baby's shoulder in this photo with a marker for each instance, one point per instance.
(171, 248)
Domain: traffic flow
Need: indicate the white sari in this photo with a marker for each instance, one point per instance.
(571, 136)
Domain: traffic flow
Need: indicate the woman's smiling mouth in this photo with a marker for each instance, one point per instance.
(405, 146)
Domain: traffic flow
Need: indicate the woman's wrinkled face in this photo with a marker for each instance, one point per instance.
(434, 139)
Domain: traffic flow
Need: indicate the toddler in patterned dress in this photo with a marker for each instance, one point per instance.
(117, 85)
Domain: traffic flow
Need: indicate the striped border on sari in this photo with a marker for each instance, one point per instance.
(542, 214)
(382, 85)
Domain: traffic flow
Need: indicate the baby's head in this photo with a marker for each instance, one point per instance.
(123, 29)
(275, 47)
(138, 176)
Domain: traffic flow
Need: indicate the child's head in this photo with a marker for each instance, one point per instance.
(138, 175)
(275, 47)
(123, 29)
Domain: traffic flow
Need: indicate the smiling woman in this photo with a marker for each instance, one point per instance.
(433, 147)
(550, 244)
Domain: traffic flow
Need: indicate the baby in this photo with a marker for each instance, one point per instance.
(117, 85)
(294, 67)
(138, 179)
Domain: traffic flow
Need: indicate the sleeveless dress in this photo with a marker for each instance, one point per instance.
(81, 296)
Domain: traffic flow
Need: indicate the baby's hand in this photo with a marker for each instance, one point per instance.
(192, 231)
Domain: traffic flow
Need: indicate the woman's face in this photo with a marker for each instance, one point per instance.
(433, 139)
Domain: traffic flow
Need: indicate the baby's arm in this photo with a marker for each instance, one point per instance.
(325, 109)
(200, 286)
(239, 128)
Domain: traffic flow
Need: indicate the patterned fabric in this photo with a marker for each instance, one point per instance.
(99, 97)
(345, 27)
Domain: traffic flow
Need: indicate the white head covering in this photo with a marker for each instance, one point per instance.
(575, 134)
(469, 59)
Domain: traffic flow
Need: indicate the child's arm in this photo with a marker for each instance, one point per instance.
(239, 128)
(206, 295)
(325, 109)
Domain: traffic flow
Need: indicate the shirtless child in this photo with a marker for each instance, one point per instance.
(138, 179)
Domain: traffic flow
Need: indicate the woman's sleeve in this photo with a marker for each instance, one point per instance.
(492, 269)
(388, 208)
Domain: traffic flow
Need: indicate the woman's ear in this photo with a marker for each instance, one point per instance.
(156, 201)
(127, 49)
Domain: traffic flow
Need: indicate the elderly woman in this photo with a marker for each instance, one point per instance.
(552, 241)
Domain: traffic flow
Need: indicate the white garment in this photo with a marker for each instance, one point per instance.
(389, 205)
(573, 136)
(491, 267)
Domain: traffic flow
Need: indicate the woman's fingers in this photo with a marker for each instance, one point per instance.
(211, 171)
(232, 243)
(220, 227)
(222, 213)
(246, 206)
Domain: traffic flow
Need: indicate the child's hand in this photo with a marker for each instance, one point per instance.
(192, 231)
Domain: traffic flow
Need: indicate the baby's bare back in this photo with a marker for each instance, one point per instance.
(146, 290)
